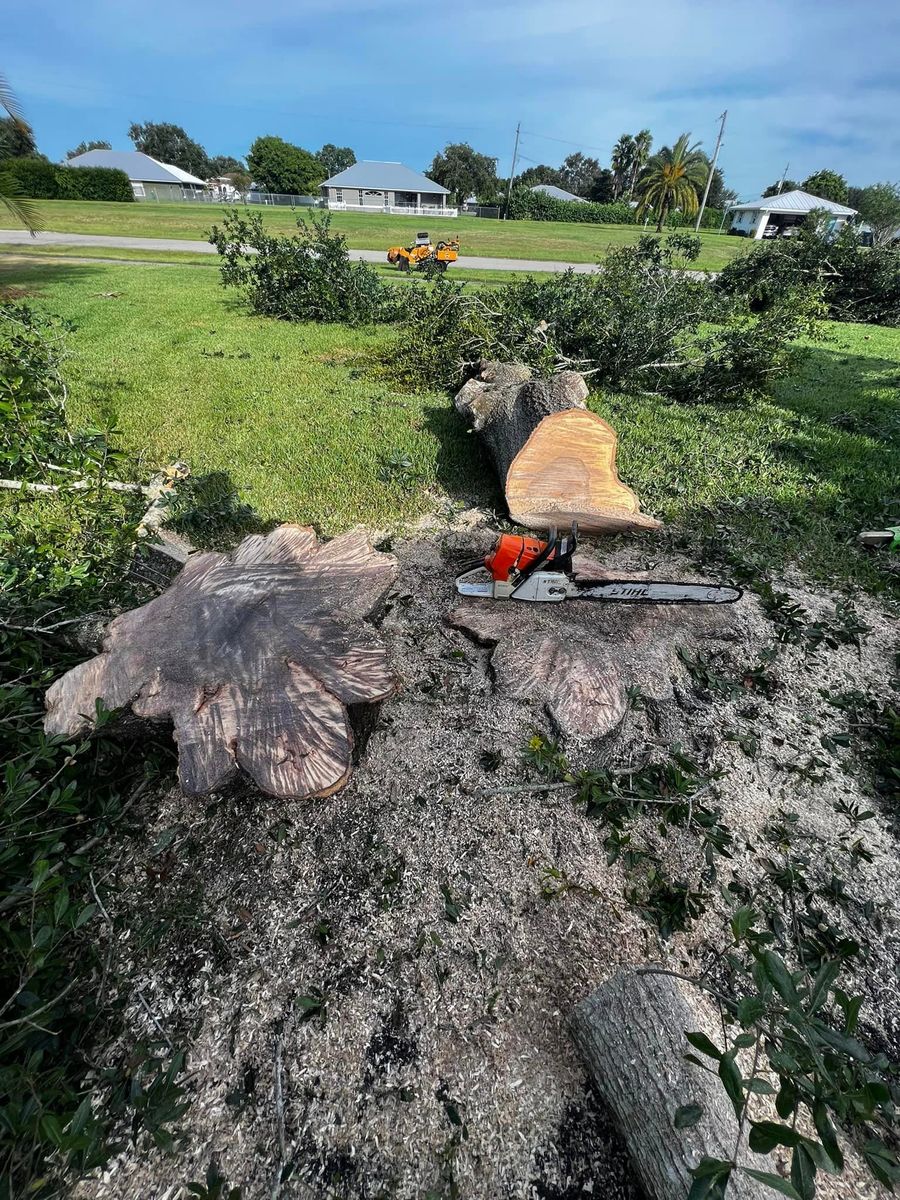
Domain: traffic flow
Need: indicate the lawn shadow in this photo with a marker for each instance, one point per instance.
(20, 273)
(209, 513)
(462, 467)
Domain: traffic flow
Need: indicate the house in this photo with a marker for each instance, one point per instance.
(771, 216)
(150, 180)
(386, 187)
(556, 193)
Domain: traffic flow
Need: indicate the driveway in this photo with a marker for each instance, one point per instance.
(19, 237)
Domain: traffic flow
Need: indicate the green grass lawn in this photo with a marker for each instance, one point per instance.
(540, 240)
(303, 426)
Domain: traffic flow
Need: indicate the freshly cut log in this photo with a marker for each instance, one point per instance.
(254, 656)
(555, 458)
(631, 1034)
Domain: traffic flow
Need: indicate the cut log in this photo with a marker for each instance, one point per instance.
(631, 1034)
(579, 658)
(254, 656)
(555, 458)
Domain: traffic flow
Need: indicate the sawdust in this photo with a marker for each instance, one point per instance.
(390, 945)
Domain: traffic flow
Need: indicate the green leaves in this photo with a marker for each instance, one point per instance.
(702, 1043)
(766, 1135)
(710, 1177)
(779, 976)
(731, 1080)
(803, 1173)
(775, 1182)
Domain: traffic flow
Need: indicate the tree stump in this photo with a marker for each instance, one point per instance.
(556, 460)
(579, 658)
(631, 1034)
(254, 656)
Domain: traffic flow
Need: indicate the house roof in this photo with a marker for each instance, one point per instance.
(140, 168)
(558, 193)
(795, 202)
(384, 176)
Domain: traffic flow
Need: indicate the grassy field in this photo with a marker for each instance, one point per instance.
(306, 430)
(539, 240)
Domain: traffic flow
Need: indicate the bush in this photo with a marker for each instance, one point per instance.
(638, 325)
(526, 205)
(305, 277)
(62, 556)
(859, 283)
(40, 180)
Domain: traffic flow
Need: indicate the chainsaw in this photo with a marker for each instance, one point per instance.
(523, 568)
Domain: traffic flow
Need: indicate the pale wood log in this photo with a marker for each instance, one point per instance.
(631, 1035)
(254, 656)
(555, 458)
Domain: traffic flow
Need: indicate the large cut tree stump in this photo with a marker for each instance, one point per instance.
(556, 460)
(630, 1032)
(254, 656)
(579, 658)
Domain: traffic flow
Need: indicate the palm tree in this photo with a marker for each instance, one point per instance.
(621, 162)
(672, 180)
(23, 210)
(642, 143)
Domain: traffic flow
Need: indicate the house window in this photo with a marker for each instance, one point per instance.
(339, 195)
(138, 189)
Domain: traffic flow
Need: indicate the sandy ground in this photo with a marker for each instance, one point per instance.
(373, 991)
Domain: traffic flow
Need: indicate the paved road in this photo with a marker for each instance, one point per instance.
(19, 237)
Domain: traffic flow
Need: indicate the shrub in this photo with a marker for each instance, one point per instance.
(305, 277)
(62, 556)
(859, 283)
(41, 180)
(526, 205)
(637, 325)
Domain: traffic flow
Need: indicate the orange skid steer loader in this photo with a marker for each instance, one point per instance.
(423, 255)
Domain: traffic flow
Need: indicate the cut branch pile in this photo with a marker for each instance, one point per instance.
(254, 656)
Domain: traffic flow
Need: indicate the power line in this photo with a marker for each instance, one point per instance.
(564, 141)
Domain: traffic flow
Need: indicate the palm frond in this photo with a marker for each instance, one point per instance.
(9, 102)
(23, 209)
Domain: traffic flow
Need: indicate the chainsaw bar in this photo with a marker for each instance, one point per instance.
(554, 586)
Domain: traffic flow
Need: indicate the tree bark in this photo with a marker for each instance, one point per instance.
(631, 1034)
(555, 458)
(254, 656)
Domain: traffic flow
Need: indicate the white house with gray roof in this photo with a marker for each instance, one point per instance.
(557, 193)
(150, 180)
(386, 187)
(771, 216)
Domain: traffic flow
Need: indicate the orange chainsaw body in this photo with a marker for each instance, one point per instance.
(513, 553)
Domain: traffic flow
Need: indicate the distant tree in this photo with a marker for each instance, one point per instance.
(672, 180)
(170, 144)
(21, 209)
(578, 173)
(603, 187)
(465, 172)
(642, 144)
(224, 164)
(827, 185)
(280, 166)
(775, 189)
(335, 159)
(84, 147)
(16, 137)
(622, 163)
(539, 173)
(879, 207)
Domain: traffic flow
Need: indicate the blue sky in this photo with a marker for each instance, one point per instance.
(811, 83)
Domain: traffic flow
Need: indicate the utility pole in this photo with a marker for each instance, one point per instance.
(712, 167)
(783, 178)
(512, 170)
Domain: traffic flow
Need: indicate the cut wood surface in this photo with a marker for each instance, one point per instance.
(555, 458)
(578, 659)
(254, 656)
(631, 1034)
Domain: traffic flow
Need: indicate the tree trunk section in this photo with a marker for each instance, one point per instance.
(631, 1034)
(555, 458)
(254, 656)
